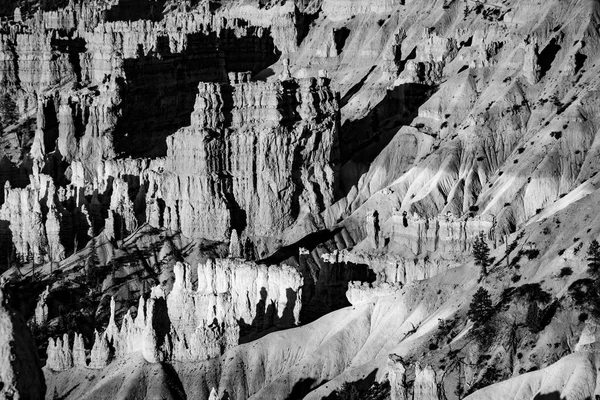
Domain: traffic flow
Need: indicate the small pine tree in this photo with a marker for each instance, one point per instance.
(533, 319)
(481, 252)
(93, 260)
(593, 257)
(480, 309)
(92, 263)
(348, 391)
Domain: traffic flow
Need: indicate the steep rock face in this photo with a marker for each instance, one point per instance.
(20, 373)
(82, 74)
(246, 139)
(394, 269)
(193, 325)
(23, 209)
(397, 378)
(425, 386)
(41, 309)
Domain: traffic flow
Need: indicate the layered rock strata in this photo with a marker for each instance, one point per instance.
(193, 324)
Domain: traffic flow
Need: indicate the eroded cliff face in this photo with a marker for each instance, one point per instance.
(246, 139)
(20, 373)
(233, 299)
(484, 93)
(364, 143)
(252, 156)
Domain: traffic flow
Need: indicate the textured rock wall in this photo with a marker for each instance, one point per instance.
(193, 325)
(246, 139)
(85, 77)
(20, 373)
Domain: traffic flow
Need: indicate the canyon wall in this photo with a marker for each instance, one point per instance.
(20, 371)
(232, 298)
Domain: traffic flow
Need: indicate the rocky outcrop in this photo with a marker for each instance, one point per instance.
(264, 135)
(425, 385)
(20, 373)
(391, 272)
(363, 292)
(193, 325)
(41, 308)
(397, 378)
(79, 356)
(60, 356)
(233, 292)
(100, 353)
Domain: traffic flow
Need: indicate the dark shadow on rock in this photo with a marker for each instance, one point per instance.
(308, 242)
(175, 386)
(161, 322)
(267, 318)
(547, 55)
(359, 388)
(362, 140)
(548, 396)
(133, 10)
(302, 388)
(160, 90)
(356, 88)
(325, 284)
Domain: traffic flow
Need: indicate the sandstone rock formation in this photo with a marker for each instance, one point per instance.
(193, 325)
(59, 354)
(363, 143)
(20, 373)
(397, 378)
(425, 385)
(41, 309)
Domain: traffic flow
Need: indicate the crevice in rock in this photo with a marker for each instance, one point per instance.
(50, 126)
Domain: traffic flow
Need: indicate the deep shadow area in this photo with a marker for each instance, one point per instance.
(355, 89)
(308, 242)
(548, 396)
(365, 388)
(267, 318)
(51, 126)
(160, 90)
(339, 37)
(546, 57)
(133, 10)
(362, 140)
(325, 283)
(73, 46)
(301, 388)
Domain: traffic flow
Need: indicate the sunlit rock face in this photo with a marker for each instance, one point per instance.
(191, 324)
(274, 157)
(358, 148)
(247, 138)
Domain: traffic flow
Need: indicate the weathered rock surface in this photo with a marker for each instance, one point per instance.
(20, 373)
(193, 325)
(221, 121)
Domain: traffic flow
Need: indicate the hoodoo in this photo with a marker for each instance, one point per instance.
(299, 199)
